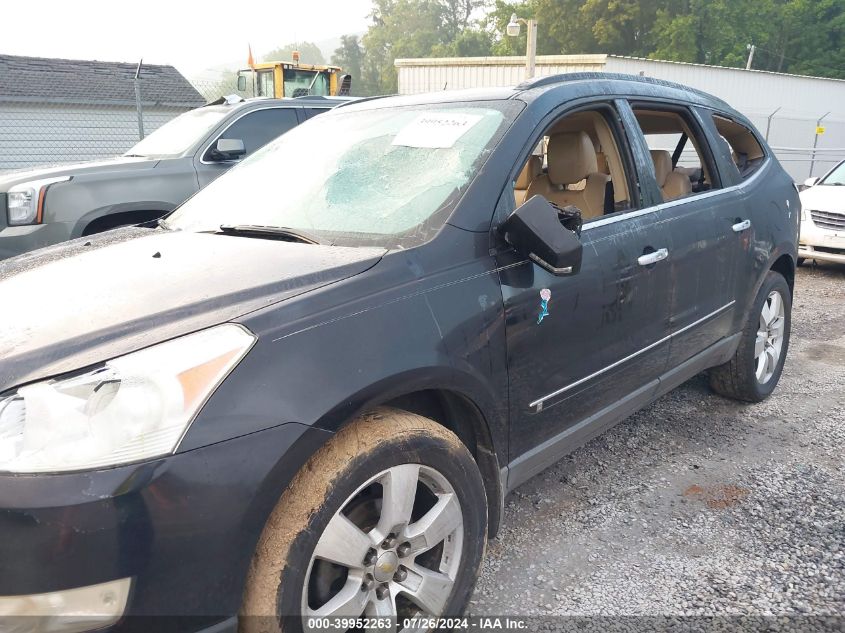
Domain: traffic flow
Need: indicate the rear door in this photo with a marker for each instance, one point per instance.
(255, 128)
(702, 262)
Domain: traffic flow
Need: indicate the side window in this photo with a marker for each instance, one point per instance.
(746, 151)
(580, 160)
(265, 83)
(258, 128)
(312, 112)
(682, 162)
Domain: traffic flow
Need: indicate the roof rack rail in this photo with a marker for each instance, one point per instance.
(363, 100)
(563, 77)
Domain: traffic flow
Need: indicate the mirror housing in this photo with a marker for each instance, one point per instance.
(535, 229)
(227, 149)
(241, 83)
(811, 182)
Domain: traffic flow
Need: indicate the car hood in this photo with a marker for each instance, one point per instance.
(824, 198)
(113, 164)
(88, 300)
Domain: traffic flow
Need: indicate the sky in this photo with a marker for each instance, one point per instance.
(189, 34)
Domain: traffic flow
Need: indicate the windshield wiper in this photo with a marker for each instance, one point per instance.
(134, 156)
(259, 230)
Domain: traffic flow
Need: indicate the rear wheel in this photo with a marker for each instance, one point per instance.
(387, 520)
(753, 373)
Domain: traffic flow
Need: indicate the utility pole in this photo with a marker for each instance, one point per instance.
(751, 48)
(138, 100)
(531, 45)
(531, 52)
(816, 143)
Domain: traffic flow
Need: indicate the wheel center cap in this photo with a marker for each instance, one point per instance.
(386, 566)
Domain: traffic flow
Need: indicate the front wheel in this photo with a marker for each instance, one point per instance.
(753, 373)
(388, 520)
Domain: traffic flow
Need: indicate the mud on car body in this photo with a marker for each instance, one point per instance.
(270, 411)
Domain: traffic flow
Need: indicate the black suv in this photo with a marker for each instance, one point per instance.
(39, 207)
(297, 403)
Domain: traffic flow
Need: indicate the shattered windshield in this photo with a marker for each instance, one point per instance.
(386, 177)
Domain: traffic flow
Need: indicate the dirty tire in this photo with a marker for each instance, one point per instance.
(379, 440)
(737, 379)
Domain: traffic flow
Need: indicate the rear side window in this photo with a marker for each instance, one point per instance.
(682, 162)
(258, 128)
(746, 151)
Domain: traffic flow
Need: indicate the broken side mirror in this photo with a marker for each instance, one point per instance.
(228, 149)
(537, 230)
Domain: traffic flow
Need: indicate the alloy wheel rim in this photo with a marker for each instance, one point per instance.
(770, 334)
(392, 550)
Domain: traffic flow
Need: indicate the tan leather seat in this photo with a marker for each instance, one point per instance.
(571, 158)
(533, 168)
(672, 184)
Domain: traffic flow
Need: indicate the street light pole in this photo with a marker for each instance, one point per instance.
(531, 44)
(530, 48)
(751, 48)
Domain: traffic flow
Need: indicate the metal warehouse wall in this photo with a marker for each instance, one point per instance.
(39, 134)
(454, 73)
(757, 94)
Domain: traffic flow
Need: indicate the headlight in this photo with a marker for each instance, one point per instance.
(25, 202)
(134, 407)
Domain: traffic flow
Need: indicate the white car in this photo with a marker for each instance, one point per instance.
(823, 217)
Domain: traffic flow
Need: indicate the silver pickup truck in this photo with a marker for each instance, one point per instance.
(46, 206)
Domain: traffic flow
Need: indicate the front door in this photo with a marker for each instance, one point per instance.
(583, 347)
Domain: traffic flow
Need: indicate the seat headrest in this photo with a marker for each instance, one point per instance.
(662, 160)
(677, 186)
(532, 169)
(571, 158)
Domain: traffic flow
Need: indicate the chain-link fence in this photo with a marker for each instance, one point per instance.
(806, 143)
(79, 125)
(71, 112)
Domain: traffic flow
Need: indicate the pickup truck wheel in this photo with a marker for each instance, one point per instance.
(388, 519)
(753, 373)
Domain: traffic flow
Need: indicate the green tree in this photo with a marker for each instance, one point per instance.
(400, 28)
(309, 53)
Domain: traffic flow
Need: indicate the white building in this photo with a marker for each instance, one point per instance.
(63, 110)
(788, 106)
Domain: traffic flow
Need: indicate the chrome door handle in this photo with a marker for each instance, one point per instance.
(739, 227)
(652, 258)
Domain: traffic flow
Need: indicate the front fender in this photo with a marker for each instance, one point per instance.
(85, 220)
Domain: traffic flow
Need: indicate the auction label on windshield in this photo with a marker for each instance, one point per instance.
(436, 130)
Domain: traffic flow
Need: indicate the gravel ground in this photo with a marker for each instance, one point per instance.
(697, 505)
